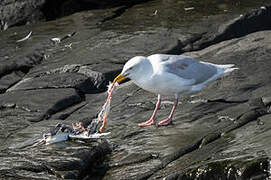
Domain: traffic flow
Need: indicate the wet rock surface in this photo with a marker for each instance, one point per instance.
(14, 12)
(25, 12)
(222, 132)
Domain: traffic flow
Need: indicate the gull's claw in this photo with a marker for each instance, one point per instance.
(165, 122)
(147, 123)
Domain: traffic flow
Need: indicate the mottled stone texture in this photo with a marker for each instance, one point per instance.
(222, 132)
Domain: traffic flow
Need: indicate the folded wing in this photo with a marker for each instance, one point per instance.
(188, 68)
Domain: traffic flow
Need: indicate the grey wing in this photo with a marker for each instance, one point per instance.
(189, 68)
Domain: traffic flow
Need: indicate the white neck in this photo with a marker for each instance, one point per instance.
(144, 72)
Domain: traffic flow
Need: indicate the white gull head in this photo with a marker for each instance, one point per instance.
(137, 68)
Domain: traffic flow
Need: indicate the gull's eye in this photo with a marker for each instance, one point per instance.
(130, 68)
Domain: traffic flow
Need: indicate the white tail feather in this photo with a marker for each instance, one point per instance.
(226, 71)
(227, 68)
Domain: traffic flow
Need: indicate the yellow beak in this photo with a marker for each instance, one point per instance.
(120, 78)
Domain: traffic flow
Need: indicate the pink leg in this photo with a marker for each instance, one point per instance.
(168, 120)
(151, 120)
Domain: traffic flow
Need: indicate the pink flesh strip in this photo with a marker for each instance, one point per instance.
(78, 126)
(103, 126)
(151, 120)
(105, 110)
(169, 119)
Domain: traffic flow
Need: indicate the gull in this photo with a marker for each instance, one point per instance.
(174, 75)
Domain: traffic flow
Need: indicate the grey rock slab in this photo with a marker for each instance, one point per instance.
(11, 121)
(18, 58)
(66, 113)
(67, 160)
(93, 105)
(44, 102)
(173, 14)
(20, 109)
(39, 46)
(240, 150)
(98, 50)
(63, 80)
(210, 139)
(81, 77)
(22, 63)
(14, 12)
(257, 20)
(106, 49)
(9, 80)
(10, 49)
(101, 51)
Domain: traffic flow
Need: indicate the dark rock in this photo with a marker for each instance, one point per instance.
(132, 159)
(75, 76)
(9, 80)
(266, 101)
(257, 20)
(58, 8)
(86, 160)
(71, 165)
(20, 64)
(43, 103)
(91, 84)
(64, 114)
(110, 58)
(223, 130)
(243, 168)
(14, 12)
